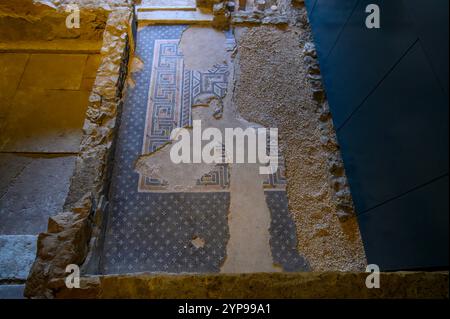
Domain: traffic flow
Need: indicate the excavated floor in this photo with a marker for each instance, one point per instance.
(200, 218)
(43, 101)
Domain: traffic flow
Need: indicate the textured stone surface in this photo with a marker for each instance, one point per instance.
(57, 72)
(11, 167)
(273, 12)
(36, 191)
(295, 286)
(272, 74)
(258, 18)
(25, 20)
(47, 121)
(134, 211)
(147, 5)
(92, 166)
(65, 243)
(48, 98)
(155, 234)
(12, 291)
(11, 70)
(72, 232)
(340, 187)
(249, 247)
(203, 48)
(283, 234)
(174, 17)
(17, 254)
(148, 230)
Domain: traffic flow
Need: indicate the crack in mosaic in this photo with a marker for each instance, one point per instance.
(172, 90)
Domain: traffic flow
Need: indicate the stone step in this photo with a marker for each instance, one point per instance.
(179, 5)
(12, 291)
(17, 254)
(173, 17)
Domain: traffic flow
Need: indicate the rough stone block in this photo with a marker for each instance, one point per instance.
(12, 291)
(37, 193)
(17, 254)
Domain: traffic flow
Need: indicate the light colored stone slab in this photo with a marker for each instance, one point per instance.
(10, 168)
(36, 194)
(17, 254)
(174, 17)
(12, 291)
(150, 5)
(48, 121)
(54, 71)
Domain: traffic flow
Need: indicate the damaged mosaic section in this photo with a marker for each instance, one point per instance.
(152, 227)
(167, 217)
(174, 89)
(284, 234)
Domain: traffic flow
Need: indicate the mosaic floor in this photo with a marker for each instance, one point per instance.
(150, 229)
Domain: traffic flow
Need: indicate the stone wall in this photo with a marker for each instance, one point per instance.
(274, 12)
(328, 139)
(342, 285)
(71, 233)
(27, 20)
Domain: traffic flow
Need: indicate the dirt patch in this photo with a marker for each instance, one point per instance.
(198, 242)
(203, 48)
(272, 89)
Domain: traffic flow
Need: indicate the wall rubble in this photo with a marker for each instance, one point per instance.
(73, 232)
(44, 20)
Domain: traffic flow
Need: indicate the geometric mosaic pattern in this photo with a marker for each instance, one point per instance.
(168, 103)
(215, 81)
(278, 180)
(153, 231)
(283, 234)
(220, 177)
(156, 233)
(173, 90)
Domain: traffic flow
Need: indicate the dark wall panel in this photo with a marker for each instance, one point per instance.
(331, 16)
(388, 92)
(401, 139)
(310, 5)
(362, 57)
(410, 232)
(431, 24)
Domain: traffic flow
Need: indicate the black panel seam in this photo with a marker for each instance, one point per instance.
(342, 30)
(314, 6)
(378, 85)
(414, 19)
(405, 193)
(433, 70)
